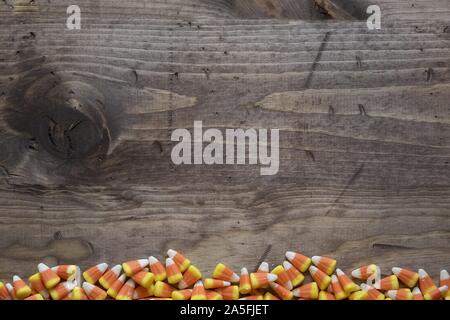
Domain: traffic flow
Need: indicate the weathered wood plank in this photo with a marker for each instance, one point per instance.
(364, 136)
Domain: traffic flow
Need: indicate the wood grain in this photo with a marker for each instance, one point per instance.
(86, 118)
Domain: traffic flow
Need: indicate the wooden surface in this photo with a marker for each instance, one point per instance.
(86, 118)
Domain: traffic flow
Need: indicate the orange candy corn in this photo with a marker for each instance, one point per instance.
(309, 291)
(269, 296)
(94, 273)
(426, 284)
(127, 290)
(182, 294)
(281, 291)
(387, 283)
(320, 277)
(4, 294)
(163, 290)
(323, 295)
(190, 277)
(213, 295)
(11, 291)
(295, 275)
(93, 292)
(262, 279)
(215, 283)
(36, 296)
(78, 294)
(244, 282)
(364, 272)
(48, 276)
(263, 267)
(417, 295)
(408, 277)
(373, 294)
(144, 278)
(198, 292)
(347, 284)
(283, 277)
(325, 264)
(338, 291)
(114, 289)
(141, 292)
(110, 276)
(400, 294)
(229, 293)
(299, 261)
(21, 289)
(182, 262)
(436, 294)
(359, 295)
(445, 280)
(157, 268)
(37, 285)
(66, 271)
(134, 266)
(173, 272)
(61, 290)
(223, 272)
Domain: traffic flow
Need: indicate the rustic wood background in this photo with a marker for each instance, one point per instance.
(86, 118)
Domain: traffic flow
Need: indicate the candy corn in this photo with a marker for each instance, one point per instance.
(127, 290)
(114, 289)
(426, 284)
(320, 277)
(338, 291)
(364, 272)
(244, 282)
(263, 267)
(269, 296)
(222, 272)
(214, 283)
(198, 292)
(173, 272)
(21, 289)
(261, 279)
(323, 295)
(66, 272)
(141, 292)
(347, 284)
(182, 294)
(36, 296)
(213, 295)
(190, 277)
(182, 262)
(229, 293)
(417, 295)
(436, 294)
(132, 267)
(309, 291)
(283, 277)
(92, 291)
(408, 277)
(300, 261)
(78, 294)
(445, 280)
(144, 278)
(387, 283)
(61, 290)
(48, 276)
(92, 275)
(163, 290)
(37, 285)
(372, 293)
(359, 295)
(157, 268)
(11, 291)
(110, 276)
(295, 275)
(281, 291)
(325, 264)
(400, 294)
(4, 294)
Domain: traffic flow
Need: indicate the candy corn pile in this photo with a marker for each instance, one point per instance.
(178, 279)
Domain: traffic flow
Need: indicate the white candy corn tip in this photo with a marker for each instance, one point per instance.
(16, 278)
(289, 285)
(9, 287)
(69, 285)
(339, 272)
(364, 287)
(182, 285)
(392, 294)
(396, 270)
(244, 271)
(198, 283)
(290, 255)
(356, 273)
(42, 267)
(263, 267)
(443, 289)
(444, 275)
(88, 287)
(313, 269)
(122, 278)
(171, 253)
(117, 269)
(131, 283)
(235, 278)
(334, 278)
(416, 290)
(287, 265)
(152, 260)
(422, 274)
(169, 262)
(315, 259)
(102, 267)
(272, 277)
